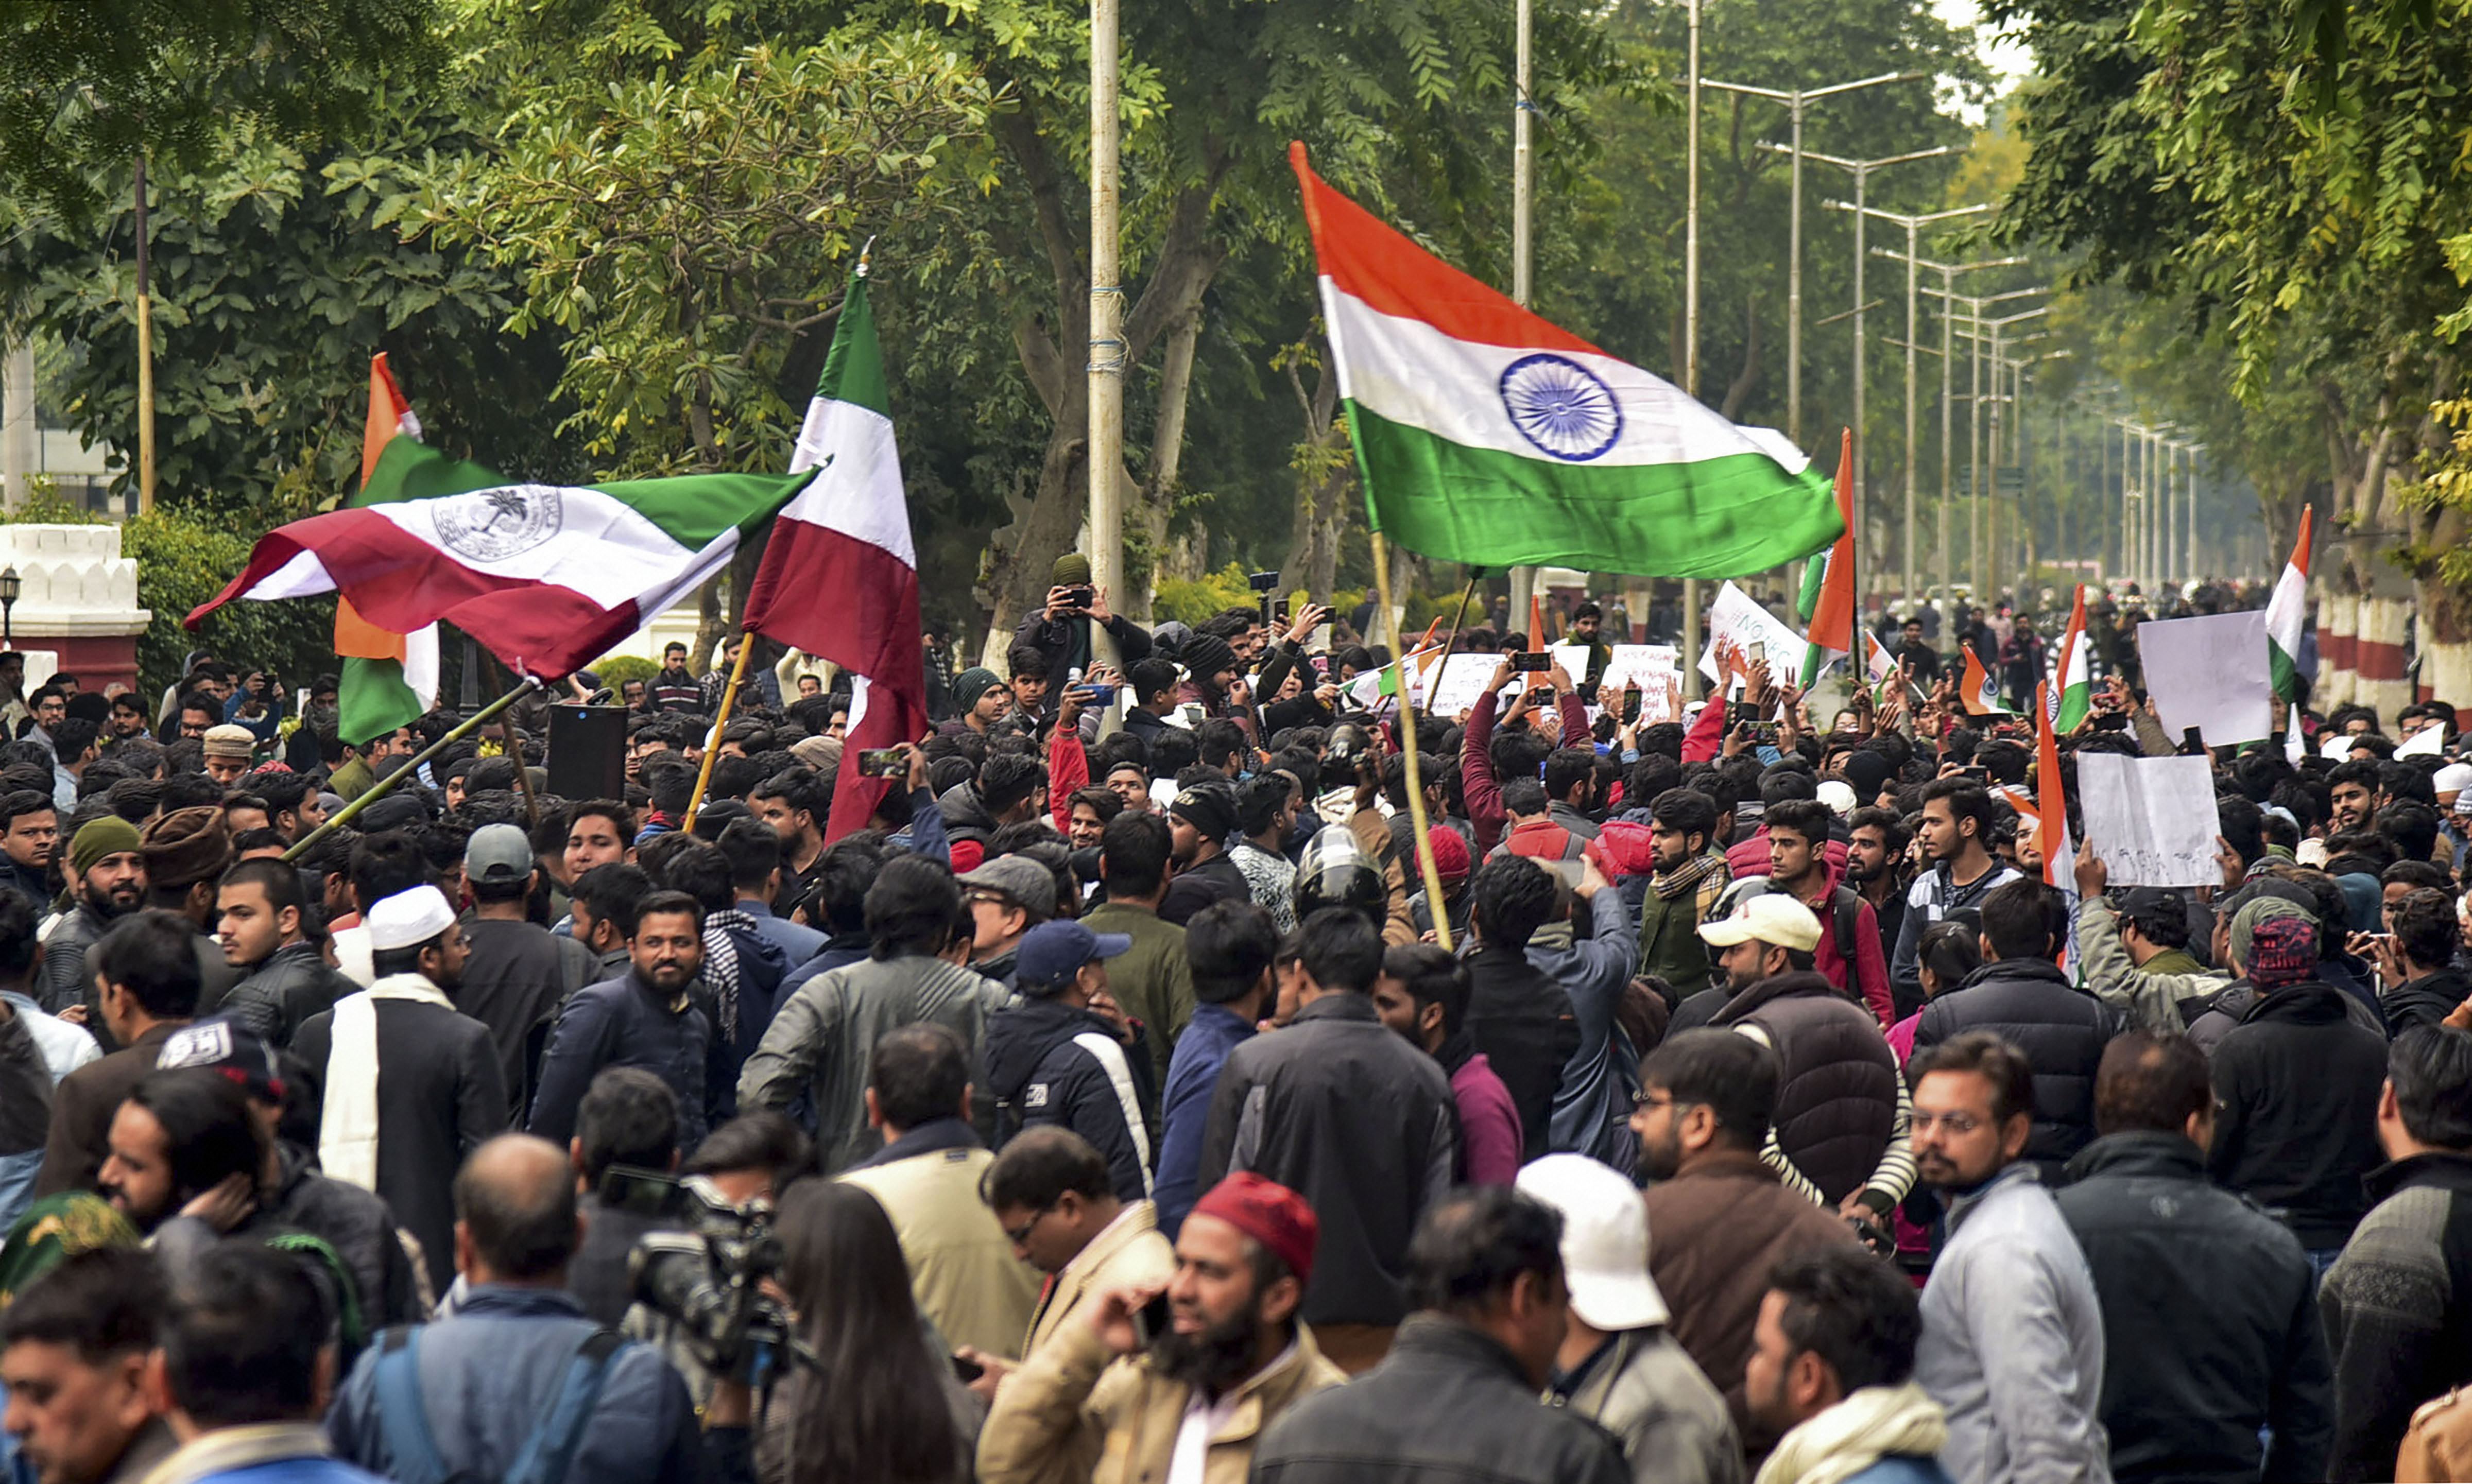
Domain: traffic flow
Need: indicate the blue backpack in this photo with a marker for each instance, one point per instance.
(547, 1452)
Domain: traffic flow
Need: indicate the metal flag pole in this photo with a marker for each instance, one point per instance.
(388, 784)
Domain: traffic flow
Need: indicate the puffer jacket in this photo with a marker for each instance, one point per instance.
(1837, 1098)
(357, 1224)
(1522, 1023)
(1448, 1402)
(2297, 1089)
(822, 1034)
(1049, 1062)
(1074, 1413)
(292, 984)
(2030, 1004)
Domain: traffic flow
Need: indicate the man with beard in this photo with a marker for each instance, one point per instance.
(149, 988)
(1875, 854)
(2351, 796)
(1688, 877)
(108, 876)
(73, 1350)
(1190, 1399)
(1721, 1220)
(405, 1085)
(1201, 818)
(650, 1017)
(2012, 1330)
(184, 1150)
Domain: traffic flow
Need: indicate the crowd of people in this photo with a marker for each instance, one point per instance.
(1734, 1101)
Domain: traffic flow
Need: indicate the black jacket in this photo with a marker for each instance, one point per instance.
(2398, 1308)
(1837, 1095)
(2297, 1111)
(1066, 643)
(1049, 1062)
(279, 994)
(1521, 1021)
(2030, 1004)
(2425, 1000)
(1346, 1114)
(1448, 1402)
(598, 1274)
(2210, 1326)
(358, 1226)
(519, 975)
(1219, 879)
(440, 1095)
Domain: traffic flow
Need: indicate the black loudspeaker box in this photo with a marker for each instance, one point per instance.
(588, 751)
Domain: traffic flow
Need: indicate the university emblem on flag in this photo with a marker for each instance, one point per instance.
(1561, 407)
(494, 525)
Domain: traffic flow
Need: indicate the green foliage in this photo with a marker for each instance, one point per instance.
(1194, 601)
(616, 670)
(275, 275)
(687, 228)
(86, 86)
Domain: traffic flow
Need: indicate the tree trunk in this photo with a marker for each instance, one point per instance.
(1740, 390)
(1156, 501)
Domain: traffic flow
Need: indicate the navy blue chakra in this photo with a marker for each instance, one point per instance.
(1560, 407)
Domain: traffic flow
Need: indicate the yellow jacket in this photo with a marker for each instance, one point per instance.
(1075, 1411)
(962, 1269)
(1129, 1253)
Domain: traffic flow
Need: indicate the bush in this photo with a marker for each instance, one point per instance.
(1192, 602)
(616, 670)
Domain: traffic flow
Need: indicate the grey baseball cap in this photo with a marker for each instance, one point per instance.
(499, 853)
(1020, 878)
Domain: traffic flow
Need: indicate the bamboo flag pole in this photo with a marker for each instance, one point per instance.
(1432, 873)
(712, 744)
(388, 784)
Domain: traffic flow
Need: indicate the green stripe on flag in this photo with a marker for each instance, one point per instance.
(1815, 573)
(371, 700)
(1715, 518)
(855, 367)
(2282, 673)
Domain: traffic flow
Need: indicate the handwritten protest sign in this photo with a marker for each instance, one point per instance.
(2151, 820)
(1740, 631)
(1462, 680)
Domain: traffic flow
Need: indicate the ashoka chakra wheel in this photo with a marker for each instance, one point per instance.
(1561, 407)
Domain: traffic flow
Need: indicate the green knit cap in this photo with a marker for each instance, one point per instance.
(109, 836)
(1072, 570)
(971, 684)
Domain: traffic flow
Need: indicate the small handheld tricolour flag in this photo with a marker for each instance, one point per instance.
(1832, 613)
(2287, 616)
(1487, 435)
(2075, 696)
(2052, 829)
(1979, 691)
(839, 578)
(388, 679)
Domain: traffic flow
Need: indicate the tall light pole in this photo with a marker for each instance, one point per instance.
(1913, 468)
(1796, 101)
(1691, 329)
(1947, 293)
(1975, 304)
(1862, 173)
(1523, 188)
(1999, 328)
(1107, 364)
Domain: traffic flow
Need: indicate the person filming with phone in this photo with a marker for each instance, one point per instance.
(1159, 1373)
(1060, 631)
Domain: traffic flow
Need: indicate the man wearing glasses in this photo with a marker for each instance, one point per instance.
(1718, 1220)
(1052, 1193)
(2012, 1331)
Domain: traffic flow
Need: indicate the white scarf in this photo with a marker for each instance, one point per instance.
(1858, 1432)
(347, 1122)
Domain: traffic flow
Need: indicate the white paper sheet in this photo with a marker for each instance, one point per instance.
(2151, 821)
(2209, 672)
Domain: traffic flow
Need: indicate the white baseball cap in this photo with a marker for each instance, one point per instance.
(1772, 917)
(1604, 1241)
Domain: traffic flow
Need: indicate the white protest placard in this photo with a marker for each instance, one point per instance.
(1364, 691)
(1461, 681)
(1572, 657)
(2209, 672)
(2336, 746)
(2151, 820)
(1741, 631)
(1657, 669)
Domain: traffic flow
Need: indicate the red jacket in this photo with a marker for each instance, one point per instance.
(1477, 783)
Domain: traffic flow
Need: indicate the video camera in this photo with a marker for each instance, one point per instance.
(707, 1279)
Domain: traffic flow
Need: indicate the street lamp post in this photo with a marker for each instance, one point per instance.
(1974, 305)
(11, 585)
(1795, 99)
(1913, 225)
(1947, 291)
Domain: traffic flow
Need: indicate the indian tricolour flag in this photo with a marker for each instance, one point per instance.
(389, 679)
(545, 575)
(2287, 618)
(2076, 695)
(1487, 435)
(839, 576)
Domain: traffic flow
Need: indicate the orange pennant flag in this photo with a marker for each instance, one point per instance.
(356, 637)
